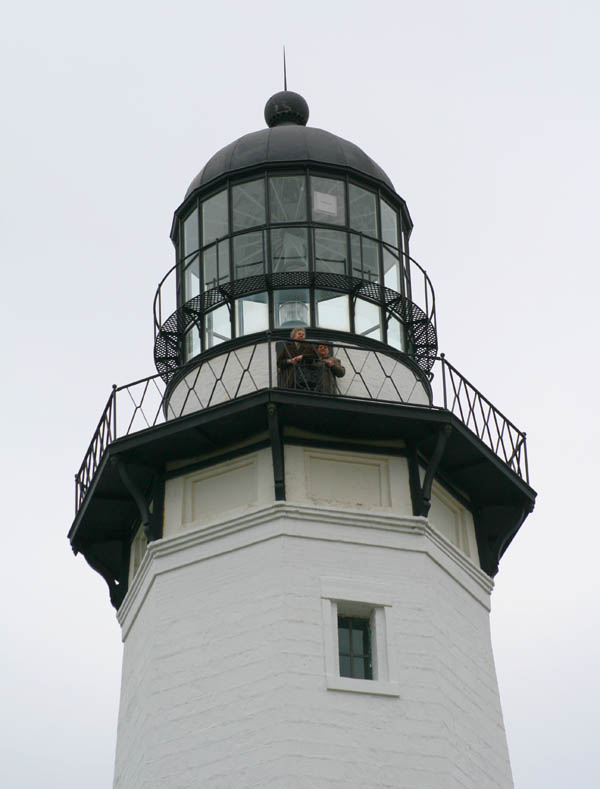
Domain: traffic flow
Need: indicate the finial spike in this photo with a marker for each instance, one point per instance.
(284, 71)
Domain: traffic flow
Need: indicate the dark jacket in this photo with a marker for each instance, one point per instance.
(297, 375)
(328, 383)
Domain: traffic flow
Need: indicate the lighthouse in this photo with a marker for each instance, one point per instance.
(300, 514)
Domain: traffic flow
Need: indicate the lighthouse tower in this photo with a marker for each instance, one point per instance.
(300, 515)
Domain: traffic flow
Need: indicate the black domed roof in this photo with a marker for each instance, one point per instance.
(287, 141)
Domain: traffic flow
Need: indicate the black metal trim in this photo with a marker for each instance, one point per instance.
(277, 451)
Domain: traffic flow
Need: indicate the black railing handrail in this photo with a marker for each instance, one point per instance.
(460, 397)
(402, 257)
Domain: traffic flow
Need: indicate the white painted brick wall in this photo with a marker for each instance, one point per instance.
(224, 667)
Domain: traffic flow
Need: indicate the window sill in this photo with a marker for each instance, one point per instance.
(373, 686)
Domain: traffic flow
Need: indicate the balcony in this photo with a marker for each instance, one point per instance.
(238, 370)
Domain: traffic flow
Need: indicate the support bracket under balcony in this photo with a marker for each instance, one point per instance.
(421, 493)
(150, 521)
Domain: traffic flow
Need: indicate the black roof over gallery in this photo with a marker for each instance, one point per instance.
(286, 140)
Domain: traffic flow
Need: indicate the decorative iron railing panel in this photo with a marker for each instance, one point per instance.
(370, 374)
(476, 412)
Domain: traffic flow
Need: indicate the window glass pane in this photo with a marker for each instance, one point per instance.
(343, 638)
(218, 326)
(327, 201)
(391, 271)
(331, 251)
(191, 278)
(215, 220)
(365, 259)
(395, 334)
(332, 310)
(389, 224)
(190, 233)
(358, 647)
(345, 670)
(252, 314)
(248, 204)
(289, 249)
(291, 308)
(248, 255)
(216, 265)
(363, 210)
(287, 198)
(367, 319)
(191, 345)
(358, 668)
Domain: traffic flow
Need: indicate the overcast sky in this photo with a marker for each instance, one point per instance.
(485, 115)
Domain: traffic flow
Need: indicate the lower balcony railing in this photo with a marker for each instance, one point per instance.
(368, 374)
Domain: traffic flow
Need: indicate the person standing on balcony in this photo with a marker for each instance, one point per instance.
(330, 369)
(296, 362)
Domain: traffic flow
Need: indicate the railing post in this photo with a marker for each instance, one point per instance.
(443, 360)
(114, 411)
(270, 360)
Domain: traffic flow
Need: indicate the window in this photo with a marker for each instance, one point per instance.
(354, 647)
(358, 657)
(291, 308)
(287, 198)
(331, 251)
(363, 211)
(248, 204)
(215, 221)
(367, 319)
(332, 310)
(289, 249)
(248, 255)
(218, 327)
(216, 265)
(327, 201)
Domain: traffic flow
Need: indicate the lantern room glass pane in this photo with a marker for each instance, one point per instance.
(327, 201)
(191, 278)
(218, 326)
(389, 224)
(391, 271)
(215, 218)
(367, 319)
(289, 249)
(331, 251)
(332, 310)
(216, 265)
(252, 314)
(365, 258)
(291, 308)
(248, 255)
(395, 334)
(287, 198)
(191, 344)
(363, 210)
(248, 204)
(190, 233)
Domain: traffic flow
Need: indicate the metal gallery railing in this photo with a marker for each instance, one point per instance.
(238, 370)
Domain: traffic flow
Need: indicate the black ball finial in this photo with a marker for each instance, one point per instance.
(286, 107)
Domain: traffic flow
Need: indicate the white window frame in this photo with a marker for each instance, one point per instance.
(351, 597)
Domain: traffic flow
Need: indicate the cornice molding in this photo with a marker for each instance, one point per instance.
(363, 528)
